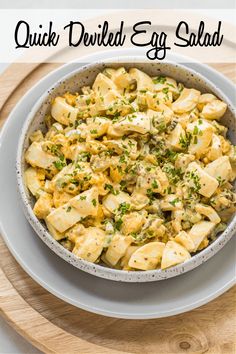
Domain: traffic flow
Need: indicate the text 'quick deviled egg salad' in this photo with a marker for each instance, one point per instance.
(135, 172)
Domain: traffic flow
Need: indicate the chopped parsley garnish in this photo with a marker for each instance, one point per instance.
(81, 140)
(74, 181)
(83, 156)
(118, 224)
(159, 80)
(55, 150)
(220, 180)
(150, 193)
(154, 184)
(109, 152)
(94, 202)
(111, 189)
(174, 174)
(68, 209)
(122, 185)
(195, 130)
(78, 122)
(122, 159)
(168, 190)
(134, 234)
(192, 176)
(184, 140)
(88, 101)
(119, 168)
(59, 164)
(180, 87)
(174, 201)
(88, 177)
(161, 127)
(171, 155)
(124, 207)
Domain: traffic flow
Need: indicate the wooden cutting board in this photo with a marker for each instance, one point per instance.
(54, 326)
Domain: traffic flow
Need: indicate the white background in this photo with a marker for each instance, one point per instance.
(10, 341)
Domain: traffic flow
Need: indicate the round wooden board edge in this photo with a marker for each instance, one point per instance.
(10, 312)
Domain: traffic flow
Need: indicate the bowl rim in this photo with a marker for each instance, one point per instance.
(97, 269)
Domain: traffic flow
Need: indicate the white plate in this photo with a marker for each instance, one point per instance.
(123, 300)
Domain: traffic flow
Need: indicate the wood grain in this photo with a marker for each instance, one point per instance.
(57, 327)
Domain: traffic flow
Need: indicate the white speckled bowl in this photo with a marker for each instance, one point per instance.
(85, 76)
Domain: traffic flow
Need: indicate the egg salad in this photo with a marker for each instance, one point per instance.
(134, 172)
